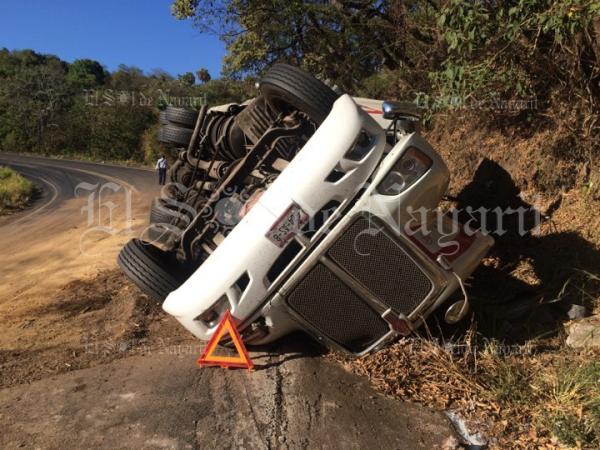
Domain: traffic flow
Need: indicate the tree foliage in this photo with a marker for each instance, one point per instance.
(444, 49)
(203, 75)
(86, 73)
(187, 79)
(441, 53)
(50, 106)
(343, 41)
(523, 47)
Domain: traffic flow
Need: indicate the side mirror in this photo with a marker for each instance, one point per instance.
(404, 116)
(399, 110)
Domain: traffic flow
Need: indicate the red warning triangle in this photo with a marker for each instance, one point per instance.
(208, 357)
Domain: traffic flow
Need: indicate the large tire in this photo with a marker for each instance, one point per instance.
(164, 211)
(298, 89)
(182, 116)
(154, 271)
(172, 134)
(158, 213)
(162, 118)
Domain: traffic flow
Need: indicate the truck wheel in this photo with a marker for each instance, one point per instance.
(182, 116)
(165, 210)
(158, 213)
(302, 91)
(154, 271)
(172, 134)
(182, 173)
(162, 118)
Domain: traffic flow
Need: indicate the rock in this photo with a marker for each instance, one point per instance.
(472, 440)
(451, 444)
(584, 333)
(576, 312)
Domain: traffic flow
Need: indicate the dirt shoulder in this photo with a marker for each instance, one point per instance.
(84, 324)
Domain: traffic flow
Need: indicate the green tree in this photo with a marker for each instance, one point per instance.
(187, 79)
(44, 107)
(344, 41)
(33, 94)
(129, 78)
(203, 75)
(226, 91)
(86, 73)
(161, 75)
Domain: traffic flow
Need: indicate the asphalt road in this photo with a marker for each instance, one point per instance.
(59, 179)
(295, 398)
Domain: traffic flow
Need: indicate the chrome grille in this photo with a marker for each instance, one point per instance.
(329, 306)
(379, 263)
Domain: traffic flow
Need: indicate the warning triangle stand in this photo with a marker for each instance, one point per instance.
(208, 357)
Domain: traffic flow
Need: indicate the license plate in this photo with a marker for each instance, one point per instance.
(288, 224)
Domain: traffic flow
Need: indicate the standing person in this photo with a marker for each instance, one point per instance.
(162, 165)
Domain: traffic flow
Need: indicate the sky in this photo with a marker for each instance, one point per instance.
(138, 33)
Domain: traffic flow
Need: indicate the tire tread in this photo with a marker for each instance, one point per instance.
(303, 86)
(145, 271)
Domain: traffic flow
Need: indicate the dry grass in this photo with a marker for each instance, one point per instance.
(527, 396)
(15, 191)
(510, 376)
(571, 403)
(535, 393)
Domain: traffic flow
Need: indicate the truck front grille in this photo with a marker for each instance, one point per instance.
(333, 309)
(379, 263)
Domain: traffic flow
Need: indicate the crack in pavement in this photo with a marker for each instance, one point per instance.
(152, 401)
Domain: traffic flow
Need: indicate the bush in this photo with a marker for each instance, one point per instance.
(151, 147)
(520, 49)
(15, 191)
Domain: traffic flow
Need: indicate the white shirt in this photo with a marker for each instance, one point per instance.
(161, 163)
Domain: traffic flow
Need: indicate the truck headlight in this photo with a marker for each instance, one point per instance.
(408, 169)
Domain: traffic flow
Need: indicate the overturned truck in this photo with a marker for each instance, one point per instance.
(303, 209)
